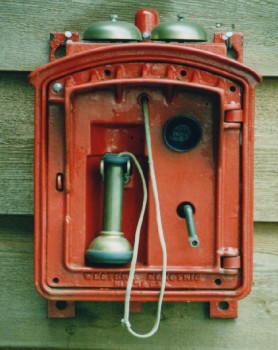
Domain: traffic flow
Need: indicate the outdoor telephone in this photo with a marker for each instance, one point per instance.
(144, 167)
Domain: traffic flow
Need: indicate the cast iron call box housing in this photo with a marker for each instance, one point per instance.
(88, 193)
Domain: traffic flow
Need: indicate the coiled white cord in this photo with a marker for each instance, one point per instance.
(125, 320)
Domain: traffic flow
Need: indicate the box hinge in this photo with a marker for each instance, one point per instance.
(234, 116)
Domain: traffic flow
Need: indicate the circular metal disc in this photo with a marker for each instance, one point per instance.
(182, 133)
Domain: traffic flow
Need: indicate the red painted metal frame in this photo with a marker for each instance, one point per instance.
(238, 115)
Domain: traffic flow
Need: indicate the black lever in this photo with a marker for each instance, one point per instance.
(186, 211)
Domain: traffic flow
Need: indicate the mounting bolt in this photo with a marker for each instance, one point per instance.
(57, 87)
(228, 38)
(146, 35)
(114, 18)
(227, 35)
(68, 34)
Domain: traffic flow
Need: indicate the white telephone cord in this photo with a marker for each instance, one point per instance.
(125, 320)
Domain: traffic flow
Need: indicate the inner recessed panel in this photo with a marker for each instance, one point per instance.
(101, 124)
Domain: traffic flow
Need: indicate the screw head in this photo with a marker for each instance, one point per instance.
(227, 35)
(57, 87)
(114, 18)
(68, 34)
(146, 35)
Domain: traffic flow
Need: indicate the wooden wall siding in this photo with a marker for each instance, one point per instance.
(266, 152)
(25, 25)
(16, 144)
(16, 147)
(23, 320)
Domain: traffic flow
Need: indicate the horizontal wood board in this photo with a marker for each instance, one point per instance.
(16, 147)
(25, 25)
(16, 144)
(24, 324)
(266, 152)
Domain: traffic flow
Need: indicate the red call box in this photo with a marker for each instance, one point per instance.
(88, 110)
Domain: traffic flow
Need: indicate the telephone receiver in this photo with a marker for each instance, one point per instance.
(181, 133)
(111, 247)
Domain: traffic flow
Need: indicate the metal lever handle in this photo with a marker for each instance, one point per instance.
(189, 218)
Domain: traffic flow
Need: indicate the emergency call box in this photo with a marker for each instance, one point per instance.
(88, 194)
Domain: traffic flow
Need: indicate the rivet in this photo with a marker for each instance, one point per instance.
(57, 87)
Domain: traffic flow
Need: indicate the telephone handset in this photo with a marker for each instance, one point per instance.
(111, 247)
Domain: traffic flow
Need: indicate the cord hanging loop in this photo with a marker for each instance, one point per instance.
(125, 320)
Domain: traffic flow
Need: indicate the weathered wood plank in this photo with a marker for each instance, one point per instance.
(23, 322)
(16, 144)
(266, 152)
(25, 25)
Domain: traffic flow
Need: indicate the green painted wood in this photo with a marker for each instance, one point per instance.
(16, 144)
(26, 24)
(23, 321)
